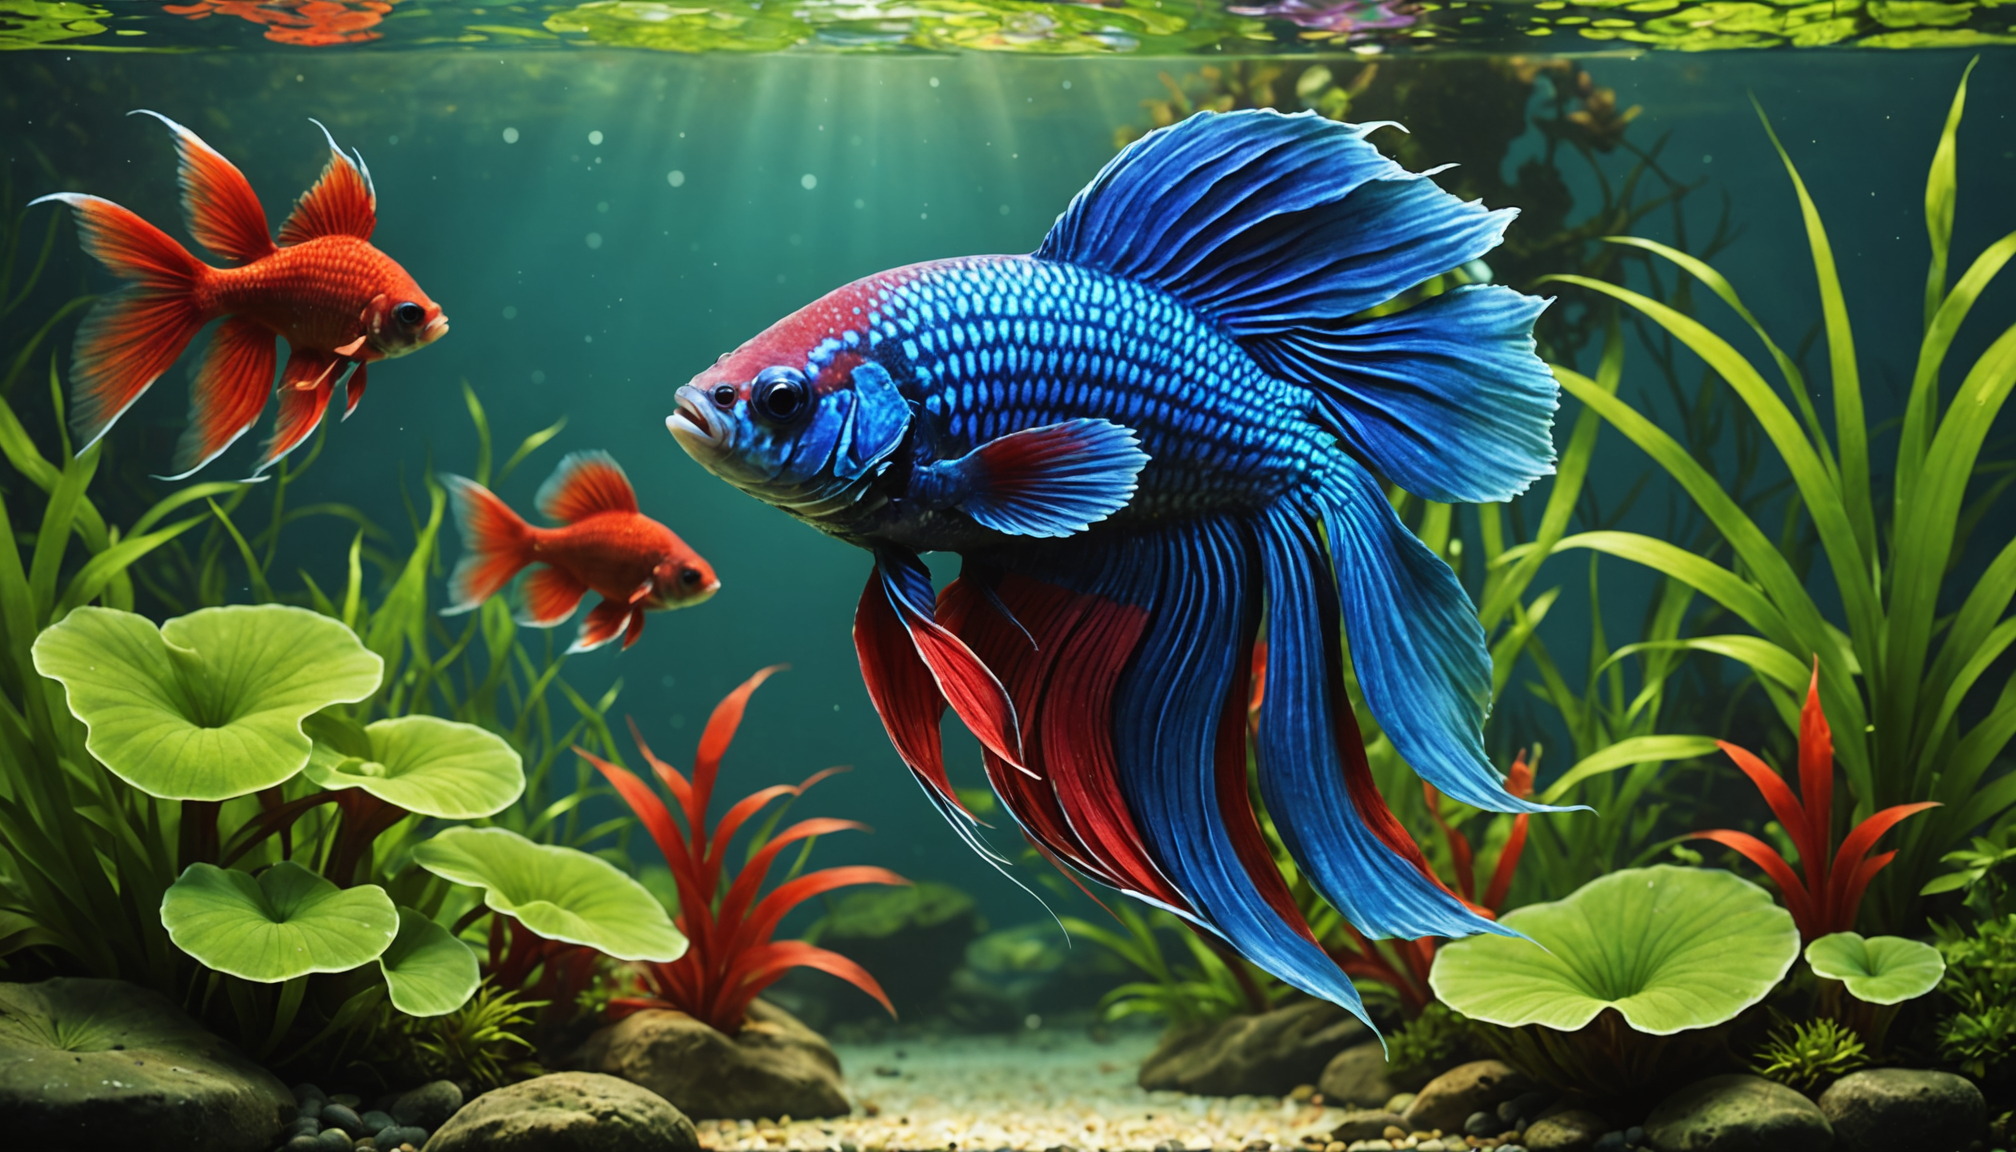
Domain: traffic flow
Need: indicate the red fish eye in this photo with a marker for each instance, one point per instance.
(409, 313)
(724, 396)
(689, 576)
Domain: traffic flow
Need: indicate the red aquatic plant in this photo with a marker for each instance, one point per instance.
(1830, 894)
(1403, 965)
(311, 23)
(732, 958)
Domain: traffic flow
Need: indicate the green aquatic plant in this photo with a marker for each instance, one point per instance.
(1977, 874)
(724, 910)
(1203, 988)
(43, 23)
(284, 923)
(1976, 1031)
(485, 1042)
(1807, 1055)
(1895, 671)
(1428, 1045)
(428, 972)
(1864, 982)
(1631, 977)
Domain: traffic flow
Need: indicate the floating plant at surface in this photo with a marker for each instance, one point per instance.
(1894, 672)
(1809, 1054)
(1630, 978)
(1825, 901)
(722, 910)
(43, 23)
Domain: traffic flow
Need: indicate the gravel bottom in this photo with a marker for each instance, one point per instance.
(1028, 1092)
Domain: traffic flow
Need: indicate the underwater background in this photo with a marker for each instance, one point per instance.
(605, 197)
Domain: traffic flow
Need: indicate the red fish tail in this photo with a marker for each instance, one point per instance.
(496, 544)
(130, 338)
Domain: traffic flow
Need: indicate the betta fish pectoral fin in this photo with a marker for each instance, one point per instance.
(1055, 480)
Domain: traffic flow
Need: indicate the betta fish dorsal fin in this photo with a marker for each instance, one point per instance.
(342, 202)
(222, 210)
(1056, 480)
(586, 483)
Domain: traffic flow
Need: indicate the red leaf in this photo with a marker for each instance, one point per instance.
(720, 730)
(1849, 878)
(1459, 845)
(763, 918)
(1797, 900)
(1816, 779)
(761, 967)
(743, 890)
(1791, 814)
(1508, 863)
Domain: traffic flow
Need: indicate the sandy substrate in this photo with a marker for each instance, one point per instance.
(1028, 1092)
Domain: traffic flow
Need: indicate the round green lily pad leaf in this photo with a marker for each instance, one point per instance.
(427, 970)
(1669, 948)
(1878, 969)
(428, 765)
(559, 893)
(209, 705)
(286, 922)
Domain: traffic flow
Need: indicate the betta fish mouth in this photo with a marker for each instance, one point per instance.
(693, 425)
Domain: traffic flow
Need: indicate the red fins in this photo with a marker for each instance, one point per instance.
(229, 392)
(585, 484)
(496, 544)
(129, 338)
(605, 621)
(223, 212)
(305, 387)
(342, 202)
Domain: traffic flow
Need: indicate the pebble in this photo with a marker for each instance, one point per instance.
(1483, 1124)
(374, 1120)
(302, 1144)
(337, 1115)
(428, 1106)
(304, 1126)
(1611, 1141)
(1399, 1102)
(1634, 1135)
(334, 1140)
(394, 1135)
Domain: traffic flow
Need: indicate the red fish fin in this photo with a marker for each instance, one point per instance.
(604, 623)
(130, 338)
(967, 684)
(223, 212)
(586, 483)
(342, 202)
(353, 390)
(305, 387)
(634, 629)
(494, 544)
(641, 591)
(904, 695)
(229, 391)
(550, 597)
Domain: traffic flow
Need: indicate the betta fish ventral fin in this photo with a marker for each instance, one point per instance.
(966, 683)
(641, 591)
(229, 392)
(1056, 480)
(550, 597)
(218, 202)
(353, 389)
(495, 545)
(604, 623)
(584, 484)
(129, 338)
(342, 202)
(305, 387)
(634, 629)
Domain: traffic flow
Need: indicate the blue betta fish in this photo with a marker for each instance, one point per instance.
(1148, 441)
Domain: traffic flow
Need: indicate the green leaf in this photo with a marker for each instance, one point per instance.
(286, 923)
(427, 970)
(209, 706)
(1623, 754)
(559, 893)
(1879, 969)
(1670, 949)
(427, 765)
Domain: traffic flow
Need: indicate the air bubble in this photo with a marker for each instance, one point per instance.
(595, 137)
(510, 135)
(675, 177)
(808, 181)
(594, 239)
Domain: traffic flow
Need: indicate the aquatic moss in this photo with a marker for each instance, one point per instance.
(1808, 1055)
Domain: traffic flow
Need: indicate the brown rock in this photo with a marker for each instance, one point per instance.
(1364, 1124)
(775, 1066)
(1450, 1098)
(1565, 1130)
(567, 1112)
(1356, 1078)
(1264, 1055)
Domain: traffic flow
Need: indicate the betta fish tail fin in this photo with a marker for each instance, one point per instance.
(129, 338)
(496, 544)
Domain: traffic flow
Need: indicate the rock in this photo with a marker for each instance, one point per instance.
(1482, 1124)
(1888, 1108)
(1399, 1102)
(1263, 1055)
(774, 1066)
(1365, 1124)
(394, 1136)
(1738, 1113)
(1450, 1098)
(344, 1117)
(1568, 1130)
(568, 1112)
(1356, 1078)
(91, 1064)
(375, 1119)
(428, 1106)
(909, 938)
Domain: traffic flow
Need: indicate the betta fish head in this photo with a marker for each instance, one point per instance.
(402, 319)
(802, 416)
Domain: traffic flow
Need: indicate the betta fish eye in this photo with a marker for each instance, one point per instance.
(689, 577)
(409, 314)
(780, 393)
(724, 396)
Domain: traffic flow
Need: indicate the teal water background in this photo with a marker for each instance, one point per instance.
(600, 224)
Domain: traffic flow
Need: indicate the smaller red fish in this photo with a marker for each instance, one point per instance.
(604, 544)
(339, 302)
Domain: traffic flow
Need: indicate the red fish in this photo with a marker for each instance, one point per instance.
(339, 302)
(603, 544)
